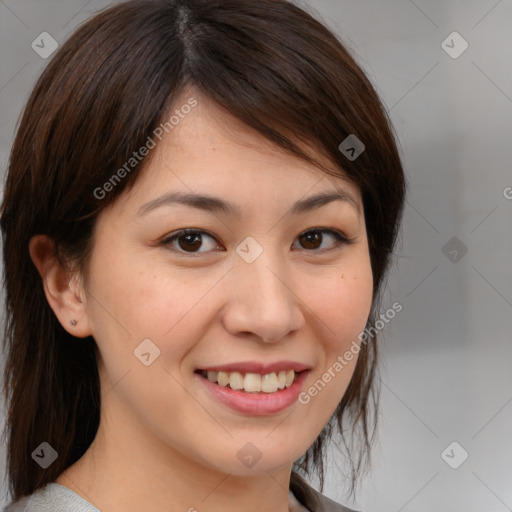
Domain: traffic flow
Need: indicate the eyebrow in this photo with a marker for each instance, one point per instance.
(217, 205)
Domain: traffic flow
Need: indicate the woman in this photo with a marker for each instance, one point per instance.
(200, 209)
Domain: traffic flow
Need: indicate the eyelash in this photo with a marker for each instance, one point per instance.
(340, 239)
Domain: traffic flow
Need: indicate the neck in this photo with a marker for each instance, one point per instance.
(127, 469)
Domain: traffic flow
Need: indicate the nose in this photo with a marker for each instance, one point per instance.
(262, 300)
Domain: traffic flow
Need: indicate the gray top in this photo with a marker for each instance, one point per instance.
(51, 498)
(56, 498)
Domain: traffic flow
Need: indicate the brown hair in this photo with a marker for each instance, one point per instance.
(268, 63)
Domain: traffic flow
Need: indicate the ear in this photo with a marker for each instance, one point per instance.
(63, 289)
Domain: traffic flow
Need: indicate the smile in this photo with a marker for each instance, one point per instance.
(252, 382)
(257, 394)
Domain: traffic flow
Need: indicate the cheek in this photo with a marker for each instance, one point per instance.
(343, 305)
(133, 303)
(136, 300)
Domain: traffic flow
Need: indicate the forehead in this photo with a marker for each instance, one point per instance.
(207, 149)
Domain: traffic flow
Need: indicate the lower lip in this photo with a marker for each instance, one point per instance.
(258, 404)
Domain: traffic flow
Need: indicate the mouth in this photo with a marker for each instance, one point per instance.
(254, 394)
(252, 383)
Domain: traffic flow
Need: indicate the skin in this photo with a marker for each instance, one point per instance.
(164, 443)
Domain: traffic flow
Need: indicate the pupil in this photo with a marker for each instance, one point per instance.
(193, 241)
(311, 238)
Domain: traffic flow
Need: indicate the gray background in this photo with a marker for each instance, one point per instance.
(447, 371)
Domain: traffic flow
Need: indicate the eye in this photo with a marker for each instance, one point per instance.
(314, 238)
(190, 240)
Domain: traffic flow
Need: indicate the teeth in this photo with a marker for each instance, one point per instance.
(269, 383)
(236, 380)
(253, 382)
(223, 379)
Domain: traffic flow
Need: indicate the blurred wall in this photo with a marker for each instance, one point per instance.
(443, 69)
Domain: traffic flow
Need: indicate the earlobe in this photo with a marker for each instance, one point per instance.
(63, 290)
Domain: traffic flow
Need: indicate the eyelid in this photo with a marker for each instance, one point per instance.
(340, 237)
(166, 240)
(331, 231)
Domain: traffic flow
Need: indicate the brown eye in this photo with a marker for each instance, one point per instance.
(311, 240)
(191, 241)
(314, 238)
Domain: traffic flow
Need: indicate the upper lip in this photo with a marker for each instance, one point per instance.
(255, 367)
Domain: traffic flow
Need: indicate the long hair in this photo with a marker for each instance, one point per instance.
(270, 64)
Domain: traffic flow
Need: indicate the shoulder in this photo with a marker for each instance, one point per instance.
(325, 504)
(51, 497)
(314, 500)
(57, 498)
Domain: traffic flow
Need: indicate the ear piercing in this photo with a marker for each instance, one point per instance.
(73, 322)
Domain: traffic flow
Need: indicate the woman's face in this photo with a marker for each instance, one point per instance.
(261, 279)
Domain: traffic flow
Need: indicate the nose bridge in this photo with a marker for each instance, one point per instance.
(262, 300)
